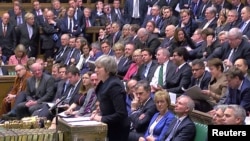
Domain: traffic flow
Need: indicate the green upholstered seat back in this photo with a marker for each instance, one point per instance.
(201, 132)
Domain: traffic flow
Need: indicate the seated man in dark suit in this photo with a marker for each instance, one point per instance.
(150, 41)
(236, 47)
(143, 109)
(183, 127)
(64, 89)
(164, 71)
(182, 76)
(210, 21)
(146, 71)
(125, 61)
(238, 88)
(200, 76)
(40, 88)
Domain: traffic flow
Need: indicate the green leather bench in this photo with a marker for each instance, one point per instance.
(201, 132)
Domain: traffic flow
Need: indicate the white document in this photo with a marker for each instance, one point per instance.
(172, 97)
(195, 93)
(86, 123)
(76, 119)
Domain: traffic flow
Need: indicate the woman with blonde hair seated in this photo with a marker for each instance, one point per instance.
(160, 122)
(20, 56)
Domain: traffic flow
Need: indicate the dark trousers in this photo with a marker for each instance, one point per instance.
(23, 111)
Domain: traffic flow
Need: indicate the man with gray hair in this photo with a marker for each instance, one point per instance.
(183, 124)
(234, 115)
(236, 47)
(95, 51)
(210, 19)
(232, 20)
(150, 41)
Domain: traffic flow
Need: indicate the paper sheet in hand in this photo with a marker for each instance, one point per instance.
(195, 93)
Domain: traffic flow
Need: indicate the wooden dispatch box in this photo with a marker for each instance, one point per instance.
(97, 132)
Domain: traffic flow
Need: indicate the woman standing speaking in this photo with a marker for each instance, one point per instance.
(111, 95)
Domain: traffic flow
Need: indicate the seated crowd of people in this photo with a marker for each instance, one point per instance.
(145, 52)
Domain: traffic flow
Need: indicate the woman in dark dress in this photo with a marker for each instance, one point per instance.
(112, 96)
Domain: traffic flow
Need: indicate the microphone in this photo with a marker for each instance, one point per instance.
(60, 101)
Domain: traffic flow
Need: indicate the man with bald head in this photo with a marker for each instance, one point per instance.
(7, 36)
(150, 41)
(168, 40)
(40, 88)
(236, 47)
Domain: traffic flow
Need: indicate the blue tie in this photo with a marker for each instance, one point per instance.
(170, 136)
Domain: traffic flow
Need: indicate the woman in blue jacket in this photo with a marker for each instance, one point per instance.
(160, 122)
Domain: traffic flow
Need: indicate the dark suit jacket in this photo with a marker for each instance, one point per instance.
(8, 42)
(4, 70)
(185, 131)
(47, 38)
(140, 74)
(166, 43)
(243, 51)
(121, 19)
(33, 11)
(149, 18)
(226, 5)
(173, 4)
(172, 20)
(61, 58)
(141, 125)
(137, 42)
(180, 79)
(246, 30)
(105, 19)
(239, 9)
(212, 24)
(204, 82)
(228, 26)
(40, 20)
(116, 37)
(60, 89)
(73, 93)
(91, 20)
(112, 96)
(123, 66)
(153, 43)
(240, 97)
(31, 44)
(13, 19)
(64, 27)
(128, 10)
(170, 71)
(45, 90)
(202, 10)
